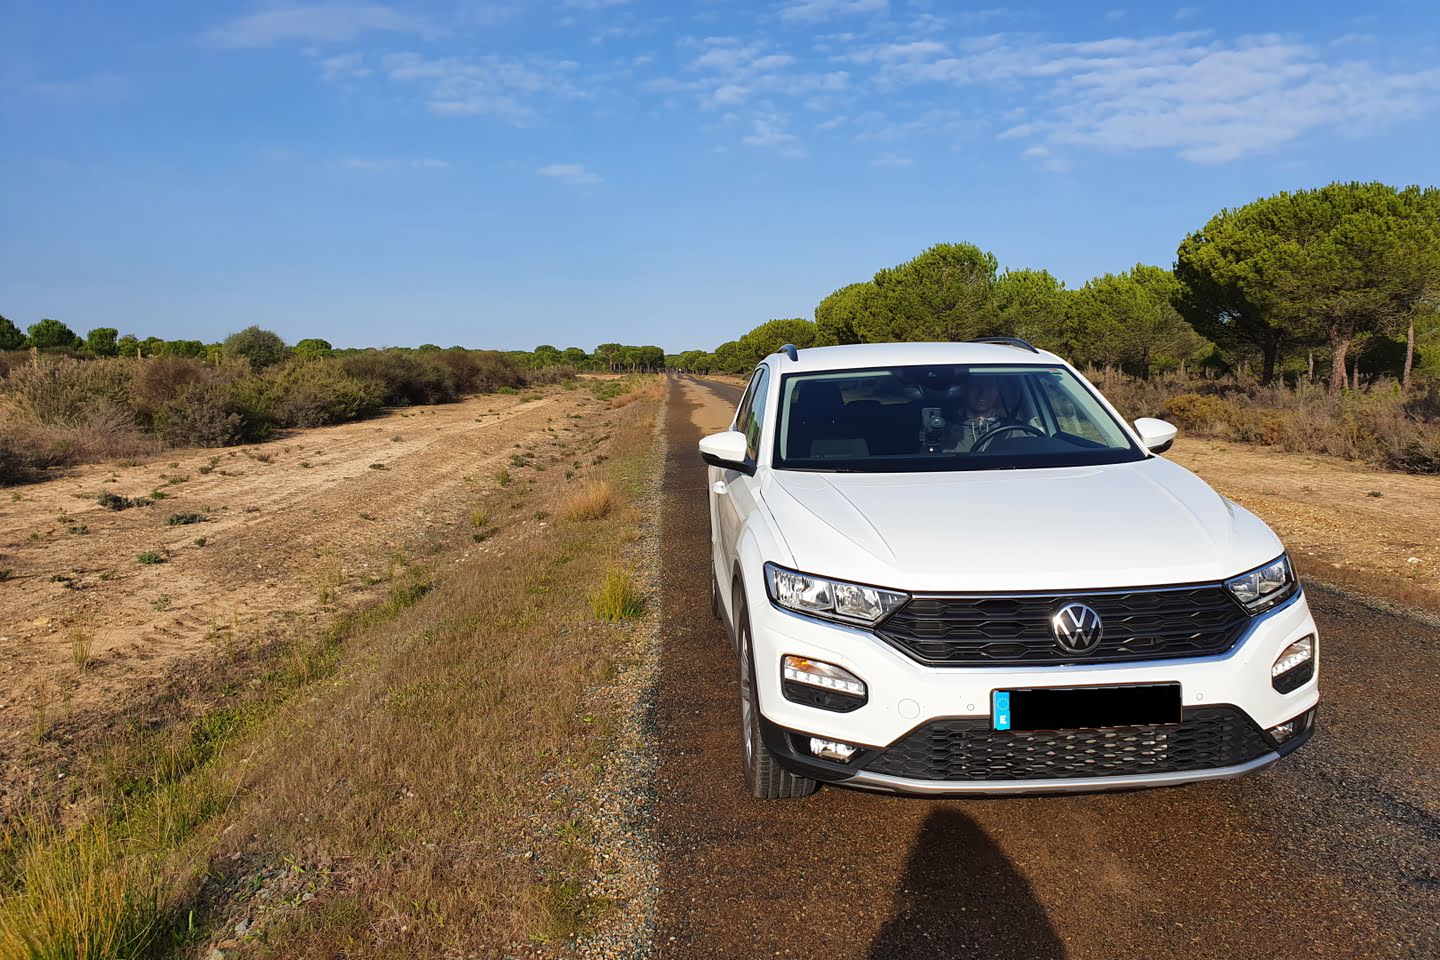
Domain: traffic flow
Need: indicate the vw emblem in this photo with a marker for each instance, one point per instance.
(1076, 628)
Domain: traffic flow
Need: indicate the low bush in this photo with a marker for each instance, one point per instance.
(315, 393)
(210, 414)
(113, 501)
(405, 378)
(1377, 425)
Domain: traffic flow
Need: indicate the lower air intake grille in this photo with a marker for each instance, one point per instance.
(1207, 737)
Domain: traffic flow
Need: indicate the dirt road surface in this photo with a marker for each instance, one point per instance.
(1333, 853)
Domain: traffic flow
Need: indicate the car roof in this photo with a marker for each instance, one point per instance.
(861, 355)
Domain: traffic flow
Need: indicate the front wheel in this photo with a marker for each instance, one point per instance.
(764, 776)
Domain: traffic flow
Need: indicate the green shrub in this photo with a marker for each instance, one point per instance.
(113, 501)
(405, 378)
(261, 348)
(151, 557)
(494, 371)
(315, 393)
(184, 519)
(225, 410)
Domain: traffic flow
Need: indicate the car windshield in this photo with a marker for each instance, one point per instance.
(945, 417)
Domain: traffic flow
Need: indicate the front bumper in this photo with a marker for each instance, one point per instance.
(908, 700)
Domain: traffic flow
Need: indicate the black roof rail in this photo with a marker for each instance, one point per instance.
(1007, 342)
(789, 351)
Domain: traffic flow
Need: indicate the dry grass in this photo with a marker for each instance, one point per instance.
(618, 598)
(379, 793)
(83, 897)
(82, 650)
(592, 502)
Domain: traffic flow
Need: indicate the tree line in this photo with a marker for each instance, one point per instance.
(1345, 273)
(264, 347)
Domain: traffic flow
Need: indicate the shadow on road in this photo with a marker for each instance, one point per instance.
(962, 898)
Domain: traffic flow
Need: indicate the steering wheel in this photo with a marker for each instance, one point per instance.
(985, 438)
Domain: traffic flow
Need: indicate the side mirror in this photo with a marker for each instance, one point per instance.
(1156, 435)
(726, 451)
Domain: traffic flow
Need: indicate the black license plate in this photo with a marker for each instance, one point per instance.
(1081, 708)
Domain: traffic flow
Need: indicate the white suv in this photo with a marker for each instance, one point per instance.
(953, 568)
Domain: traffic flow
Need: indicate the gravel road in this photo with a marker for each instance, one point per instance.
(1332, 853)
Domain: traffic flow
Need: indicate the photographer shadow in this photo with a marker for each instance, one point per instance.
(961, 898)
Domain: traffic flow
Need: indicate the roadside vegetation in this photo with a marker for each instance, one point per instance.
(66, 399)
(406, 782)
(1380, 425)
(1310, 320)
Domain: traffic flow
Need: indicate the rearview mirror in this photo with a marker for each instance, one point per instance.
(1156, 435)
(726, 451)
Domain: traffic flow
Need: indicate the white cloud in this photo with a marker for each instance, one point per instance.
(1208, 100)
(892, 160)
(344, 66)
(487, 86)
(768, 132)
(814, 11)
(317, 23)
(727, 73)
(573, 173)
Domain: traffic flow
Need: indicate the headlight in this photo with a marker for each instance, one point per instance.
(831, 599)
(1263, 587)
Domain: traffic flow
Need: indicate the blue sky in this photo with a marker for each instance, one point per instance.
(568, 172)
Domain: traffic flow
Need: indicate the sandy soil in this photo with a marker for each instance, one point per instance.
(295, 530)
(1345, 523)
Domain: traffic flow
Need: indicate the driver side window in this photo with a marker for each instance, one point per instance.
(753, 418)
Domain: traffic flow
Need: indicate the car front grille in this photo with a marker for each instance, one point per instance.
(1154, 624)
(969, 750)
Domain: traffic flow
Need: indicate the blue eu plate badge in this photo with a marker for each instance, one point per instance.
(1000, 709)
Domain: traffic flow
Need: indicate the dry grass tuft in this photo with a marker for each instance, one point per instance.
(594, 501)
(618, 598)
(82, 897)
(82, 650)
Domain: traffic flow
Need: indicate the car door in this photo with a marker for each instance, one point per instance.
(733, 492)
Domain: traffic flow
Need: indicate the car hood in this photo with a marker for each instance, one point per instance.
(1145, 523)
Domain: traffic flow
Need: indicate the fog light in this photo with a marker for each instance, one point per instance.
(1295, 665)
(1284, 732)
(825, 675)
(831, 750)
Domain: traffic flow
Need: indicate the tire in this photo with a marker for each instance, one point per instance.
(764, 776)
